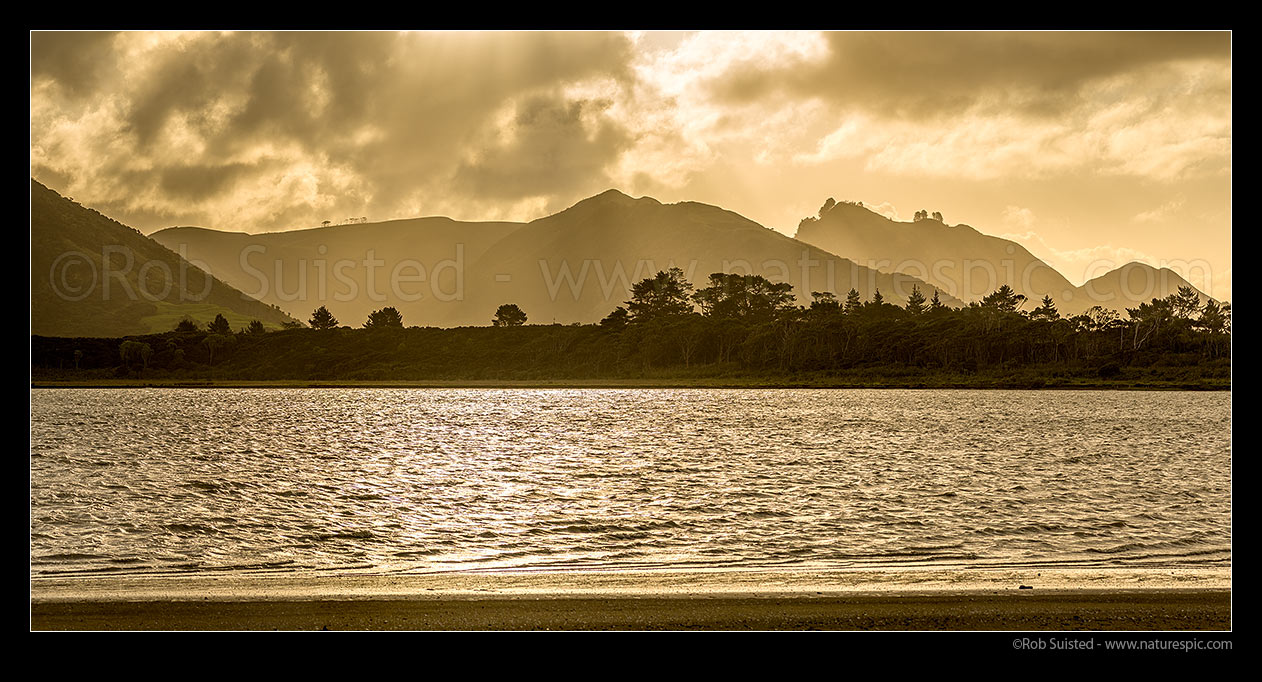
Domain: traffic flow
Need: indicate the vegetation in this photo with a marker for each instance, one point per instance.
(378, 319)
(509, 315)
(323, 319)
(739, 329)
(220, 325)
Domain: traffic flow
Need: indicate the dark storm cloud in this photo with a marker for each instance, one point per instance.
(391, 114)
(930, 74)
(551, 146)
(70, 57)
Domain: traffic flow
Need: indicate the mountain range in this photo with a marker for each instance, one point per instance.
(574, 266)
(969, 264)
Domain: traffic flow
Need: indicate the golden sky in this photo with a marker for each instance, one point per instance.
(1091, 149)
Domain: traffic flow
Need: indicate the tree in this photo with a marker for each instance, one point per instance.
(220, 325)
(665, 294)
(916, 301)
(1046, 311)
(323, 319)
(936, 303)
(825, 302)
(1149, 319)
(921, 215)
(1211, 320)
(616, 320)
(509, 315)
(1003, 299)
(381, 319)
(255, 328)
(134, 351)
(937, 215)
(853, 302)
(213, 342)
(743, 296)
(186, 325)
(1186, 303)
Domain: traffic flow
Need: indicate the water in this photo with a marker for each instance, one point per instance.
(196, 481)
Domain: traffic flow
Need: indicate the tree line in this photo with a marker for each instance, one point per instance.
(735, 323)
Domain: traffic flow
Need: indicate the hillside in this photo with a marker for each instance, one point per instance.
(1132, 284)
(574, 266)
(94, 276)
(351, 269)
(957, 258)
(964, 261)
(579, 264)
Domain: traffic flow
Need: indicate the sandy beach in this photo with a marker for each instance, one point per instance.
(901, 599)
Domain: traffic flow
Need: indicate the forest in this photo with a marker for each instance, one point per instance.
(736, 330)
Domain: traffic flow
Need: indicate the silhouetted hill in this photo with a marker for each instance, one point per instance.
(1133, 284)
(970, 264)
(574, 266)
(577, 265)
(94, 276)
(351, 269)
(957, 258)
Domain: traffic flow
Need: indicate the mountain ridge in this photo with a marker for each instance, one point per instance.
(573, 266)
(592, 251)
(94, 276)
(966, 261)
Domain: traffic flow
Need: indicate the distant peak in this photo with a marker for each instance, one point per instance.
(613, 197)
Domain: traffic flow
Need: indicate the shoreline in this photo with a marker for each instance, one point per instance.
(605, 384)
(860, 599)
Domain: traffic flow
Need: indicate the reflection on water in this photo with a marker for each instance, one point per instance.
(174, 480)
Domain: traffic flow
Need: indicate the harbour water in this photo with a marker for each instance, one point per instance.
(196, 481)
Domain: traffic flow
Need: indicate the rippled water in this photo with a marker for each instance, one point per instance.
(173, 480)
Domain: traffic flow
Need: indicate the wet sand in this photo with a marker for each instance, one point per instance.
(1154, 610)
(665, 600)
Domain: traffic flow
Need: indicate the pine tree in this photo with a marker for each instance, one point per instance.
(916, 302)
(1003, 299)
(323, 319)
(936, 303)
(853, 302)
(220, 325)
(1047, 311)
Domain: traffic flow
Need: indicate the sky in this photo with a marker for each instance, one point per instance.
(1091, 149)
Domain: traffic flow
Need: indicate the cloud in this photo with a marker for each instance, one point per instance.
(1159, 214)
(271, 131)
(1022, 218)
(199, 127)
(71, 58)
(1162, 135)
(931, 75)
(547, 143)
